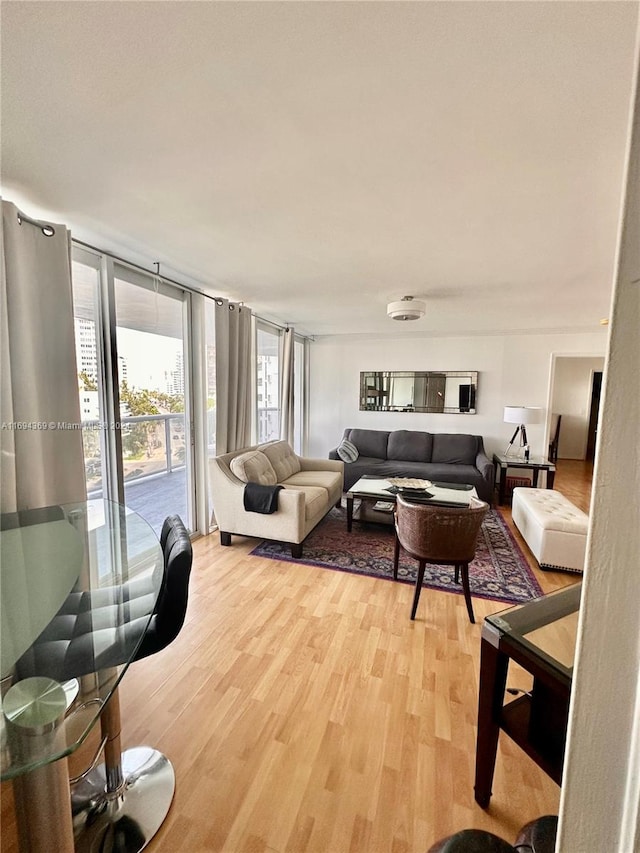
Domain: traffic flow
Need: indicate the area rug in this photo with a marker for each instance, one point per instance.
(499, 571)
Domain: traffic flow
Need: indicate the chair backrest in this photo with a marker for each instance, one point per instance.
(25, 517)
(556, 421)
(171, 607)
(439, 533)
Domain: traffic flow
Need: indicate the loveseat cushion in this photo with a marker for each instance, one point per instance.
(282, 458)
(410, 445)
(315, 499)
(329, 480)
(253, 467)
(453, 448)
(369, 442)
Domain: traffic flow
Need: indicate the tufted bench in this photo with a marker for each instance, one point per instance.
(553, 528)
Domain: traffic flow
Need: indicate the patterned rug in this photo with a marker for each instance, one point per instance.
(499, 572)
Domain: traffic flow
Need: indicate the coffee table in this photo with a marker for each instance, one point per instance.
(370, 490)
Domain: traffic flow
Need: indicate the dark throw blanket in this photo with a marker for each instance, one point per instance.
(262, 499)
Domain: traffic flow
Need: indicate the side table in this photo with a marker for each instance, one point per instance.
(540, 636)
(535, 464)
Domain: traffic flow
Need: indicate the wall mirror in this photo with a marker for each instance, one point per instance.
(450, 392)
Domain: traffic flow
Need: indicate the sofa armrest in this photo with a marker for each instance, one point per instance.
(333, 454)
(485, 466)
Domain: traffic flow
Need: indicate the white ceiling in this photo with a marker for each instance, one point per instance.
(318, 160)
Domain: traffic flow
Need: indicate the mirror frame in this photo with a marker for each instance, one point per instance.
(375, 385)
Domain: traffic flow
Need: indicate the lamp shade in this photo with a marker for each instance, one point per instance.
(522, 415)
(407, 308)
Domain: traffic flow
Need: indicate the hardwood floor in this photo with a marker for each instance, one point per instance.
(303, 711)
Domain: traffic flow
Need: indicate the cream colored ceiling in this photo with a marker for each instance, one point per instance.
(318, 160)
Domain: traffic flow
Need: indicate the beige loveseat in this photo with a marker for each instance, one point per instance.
(311, 488)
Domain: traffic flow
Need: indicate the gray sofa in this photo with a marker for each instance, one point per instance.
(441, 457)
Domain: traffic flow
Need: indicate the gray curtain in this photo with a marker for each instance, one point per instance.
(287, 409)
(42, 462)
(233, 376)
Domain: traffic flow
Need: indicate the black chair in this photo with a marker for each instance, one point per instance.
(121, 804)
(70, 647)
(171, 609)
(537, 836)
(25, 517)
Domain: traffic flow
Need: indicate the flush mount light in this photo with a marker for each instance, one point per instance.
(407, 308)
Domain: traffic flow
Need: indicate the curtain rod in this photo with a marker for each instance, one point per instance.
(157, 274)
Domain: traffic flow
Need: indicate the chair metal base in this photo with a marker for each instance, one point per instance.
(127, 819)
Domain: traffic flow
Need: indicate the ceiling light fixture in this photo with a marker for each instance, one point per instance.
(407, 308)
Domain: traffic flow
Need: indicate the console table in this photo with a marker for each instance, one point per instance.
(540, 636)
(535, 464)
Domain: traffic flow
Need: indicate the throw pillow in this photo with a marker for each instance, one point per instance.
(253, 467)
(347, 451)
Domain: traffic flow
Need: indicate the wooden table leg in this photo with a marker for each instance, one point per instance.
(503, 485)
(551, 475)
(349, 513)
(493, 679)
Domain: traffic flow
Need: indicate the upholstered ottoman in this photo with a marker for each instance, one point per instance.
(554, 529)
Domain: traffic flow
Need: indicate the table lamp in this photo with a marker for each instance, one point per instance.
(520, 415)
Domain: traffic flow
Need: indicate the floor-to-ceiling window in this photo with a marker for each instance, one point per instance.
(150, 320)
(134, 386)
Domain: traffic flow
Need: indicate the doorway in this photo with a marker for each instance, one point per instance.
(576, 398)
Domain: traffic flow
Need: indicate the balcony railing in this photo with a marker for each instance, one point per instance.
(152, 445)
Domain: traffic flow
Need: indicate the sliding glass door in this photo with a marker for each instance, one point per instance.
(150, 320)
(134, 386)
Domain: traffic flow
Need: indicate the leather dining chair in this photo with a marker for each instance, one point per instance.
(171, 609)
(124, 801)
(438, 535)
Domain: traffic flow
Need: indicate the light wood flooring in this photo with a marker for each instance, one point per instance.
(303, 711)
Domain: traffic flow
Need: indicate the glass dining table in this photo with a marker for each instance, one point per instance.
(78, 586)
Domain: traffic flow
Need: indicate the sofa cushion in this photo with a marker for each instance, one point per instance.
(347, 451)
(329, 480)
(282, 458)
(253, 467)
(454, 448)
(410, 445)
(370, 442)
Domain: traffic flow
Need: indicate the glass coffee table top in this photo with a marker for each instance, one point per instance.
(447, 494)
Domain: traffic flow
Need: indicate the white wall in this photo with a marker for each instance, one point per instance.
(513, 370)
(571, 398)
(600, 798)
